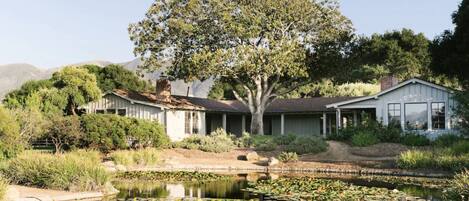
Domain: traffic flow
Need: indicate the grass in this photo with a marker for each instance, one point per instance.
(286, 157)
(179, 176)
(148, 156)
(76, 171)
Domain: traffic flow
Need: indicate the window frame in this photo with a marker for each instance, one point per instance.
(100, 111)
(125, 112)
(444, 115)
(195, 122)
(187, 122)
(394, 112)
(426, 114)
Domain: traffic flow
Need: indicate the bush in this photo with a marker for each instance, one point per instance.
(413, 159)
(107, 132)
(461, 183)
(460, 148)
(218, 141)
(307, 144)
(364, 139)
(446, 140)
(62, 172)
(414, 139)
(244, 141)
(148, 156)
(288, 157)
(147, 134)
(390, 133)
(267, 145)
(11, 142)
(284, 139)
(3, 187)
(65, 132)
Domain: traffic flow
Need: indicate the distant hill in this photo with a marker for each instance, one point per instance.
(12, 76)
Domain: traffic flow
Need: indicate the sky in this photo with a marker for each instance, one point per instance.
(52, 33)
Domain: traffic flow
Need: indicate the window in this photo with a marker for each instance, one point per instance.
(187, 122)
(195, 122)
(98, 111)
(394, 114)
(111, 111)
(122, 112)
(438, 116)
(416, 116)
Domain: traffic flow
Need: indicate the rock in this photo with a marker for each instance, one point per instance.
(273, 161)
(252, 156)
(121, 168)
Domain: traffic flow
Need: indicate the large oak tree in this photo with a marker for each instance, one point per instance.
(261, 45)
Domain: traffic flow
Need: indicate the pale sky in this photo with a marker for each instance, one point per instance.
(52, 33)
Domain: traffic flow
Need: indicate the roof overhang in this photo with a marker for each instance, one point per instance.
(132, 101)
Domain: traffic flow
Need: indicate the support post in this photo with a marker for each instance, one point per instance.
(243, 124)
(338, 123)
(324, 124)
(224, 121)
(282, 124)
(355, 118)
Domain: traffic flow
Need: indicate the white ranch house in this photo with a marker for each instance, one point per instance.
(415, 104)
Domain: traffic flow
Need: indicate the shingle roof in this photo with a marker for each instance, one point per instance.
(297, 105)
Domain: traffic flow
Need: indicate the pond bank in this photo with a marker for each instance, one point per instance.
(23, 193)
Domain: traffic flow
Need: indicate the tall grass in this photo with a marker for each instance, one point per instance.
(76, 171)
(148, 156)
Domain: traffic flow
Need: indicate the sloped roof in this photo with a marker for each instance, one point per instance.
(148, 98)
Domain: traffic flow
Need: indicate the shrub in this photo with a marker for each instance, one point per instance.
(267, 145)
(451, 162)
(65, 132)
(11, 142)
(415, 159)
(218, 141)
(447, 140)
(284, 139)
(364, 139)
(390, 133)
(3, 187)
(147, 134)
(344, 134)
(460, 148)
(244, 141)
(307, 144)
(148, 156)
(459, 187)
(62, 171)
(288, 157)
(414, 139)
(105, 132)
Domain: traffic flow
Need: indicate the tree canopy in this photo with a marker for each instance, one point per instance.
(260, 45)
(450, 51)
(117, 77)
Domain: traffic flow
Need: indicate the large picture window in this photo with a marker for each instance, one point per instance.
(438, 116)
(394, 114)
(416, 116)
(188, 118)
(195, 123)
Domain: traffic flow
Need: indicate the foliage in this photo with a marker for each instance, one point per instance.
(328, 88)
(450, 50)
(307, 144)
(447, 140)
(364, 139)
(371, 128)
(236, 40)
(105, 132)
(284, 139)
(415, 159)
(65, 132)
(77, 85)
(458, 189)
(33, 124)
(218, 141)
(63, 172)
(18, 98)
(307, 188)
(286, 157)
(267, 145)
(11, 143)
(179, 176)
(414, 139)
(460, 148)
(147, 134)
(147, 156)
(117, 77)
(244, 141)
(462, 111)
(3, 187)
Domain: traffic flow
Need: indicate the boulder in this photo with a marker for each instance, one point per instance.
(273, 161)
(252, 156)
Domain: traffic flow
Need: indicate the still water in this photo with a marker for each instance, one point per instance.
(233, 189)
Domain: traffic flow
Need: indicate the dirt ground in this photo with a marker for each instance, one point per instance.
(338, 155)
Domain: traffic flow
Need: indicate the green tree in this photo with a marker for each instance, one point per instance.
(17, 98)
(65, 132)
(117, 77)
(450, 51)
(11, 142)
(260, 45)
(77, 86)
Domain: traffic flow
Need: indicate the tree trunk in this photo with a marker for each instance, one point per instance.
(257, 123)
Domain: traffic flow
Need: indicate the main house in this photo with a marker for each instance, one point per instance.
(414, 104)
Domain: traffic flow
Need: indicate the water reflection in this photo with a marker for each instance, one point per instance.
(233, 189)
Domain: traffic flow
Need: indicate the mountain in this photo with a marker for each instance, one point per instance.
(12, 76)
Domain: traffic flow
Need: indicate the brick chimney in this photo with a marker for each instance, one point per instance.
(163, 89)
(388, 82)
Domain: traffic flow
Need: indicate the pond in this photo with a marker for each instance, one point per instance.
(233, 188)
